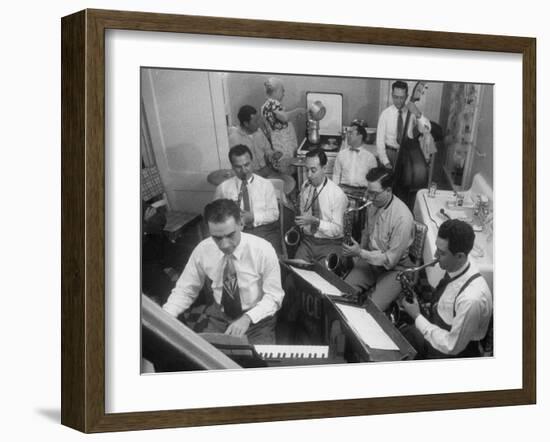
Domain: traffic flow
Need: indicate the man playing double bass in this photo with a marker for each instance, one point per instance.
(397, 122)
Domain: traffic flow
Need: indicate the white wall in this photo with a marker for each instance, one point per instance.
(30, 116)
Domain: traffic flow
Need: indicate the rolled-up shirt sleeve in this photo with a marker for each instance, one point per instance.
(272, 292)
(270, 212)
(381, 138)
(452, 342)
(333, 226)
(423, 124)
(400, 240)
(187, 287)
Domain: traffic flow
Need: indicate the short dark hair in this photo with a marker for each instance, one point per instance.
(459, 234)
(218, 211)
(319, 153)
(245, 113)
(239, 150)
(381, 173)
(400, 85)
(360, 130)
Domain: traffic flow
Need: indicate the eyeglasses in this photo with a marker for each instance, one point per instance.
(375, 193)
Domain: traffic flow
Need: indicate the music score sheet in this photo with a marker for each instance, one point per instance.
(317, 281)
(366, 327)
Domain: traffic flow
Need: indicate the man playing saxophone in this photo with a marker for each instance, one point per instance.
(462, 303)
(322, 207)
(385, 241)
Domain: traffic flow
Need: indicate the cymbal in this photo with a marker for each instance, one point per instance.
(289, 183)
(298, 161)
(219, 176)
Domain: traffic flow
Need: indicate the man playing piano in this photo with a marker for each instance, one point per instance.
(244, 274)
(255, 196)
(462, 304)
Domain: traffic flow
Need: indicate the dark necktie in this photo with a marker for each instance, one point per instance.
(231, 300)
(440, 288)
(315, 210)
(354, 149)
(399, 126)
(246, 199)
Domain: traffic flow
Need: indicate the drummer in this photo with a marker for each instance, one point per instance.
(251, 135)
(353, 164)
(255, 195)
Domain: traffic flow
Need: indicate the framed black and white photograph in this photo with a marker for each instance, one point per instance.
(286, 220)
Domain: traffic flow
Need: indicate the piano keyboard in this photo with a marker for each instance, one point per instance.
(274, 352)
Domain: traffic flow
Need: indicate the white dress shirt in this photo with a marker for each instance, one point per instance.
(474, 308)
(332, 201)
(386, 132)
(258, 277)
(257, 142)
(261, 193)
(351, 167)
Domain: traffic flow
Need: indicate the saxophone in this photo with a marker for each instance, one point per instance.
(293, 236)
(335, 263)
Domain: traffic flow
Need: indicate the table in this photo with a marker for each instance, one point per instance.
(427, 211)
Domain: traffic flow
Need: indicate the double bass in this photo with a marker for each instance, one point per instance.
(411, 168)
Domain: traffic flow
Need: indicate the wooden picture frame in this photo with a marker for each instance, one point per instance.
(83, 219)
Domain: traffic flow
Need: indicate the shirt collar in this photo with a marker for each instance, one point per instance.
(242, 131)
(460, 270)
(249, 181)
(320, 186)
(389, 202)
(239, 250)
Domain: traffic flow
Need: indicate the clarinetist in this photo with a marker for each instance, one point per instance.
(255, 196)
(385, 241)
(322, 207)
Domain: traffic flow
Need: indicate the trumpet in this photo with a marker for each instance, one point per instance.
(339, 264)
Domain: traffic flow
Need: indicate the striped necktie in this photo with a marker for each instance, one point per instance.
(315, 210)
(231, 300)
(246, 198)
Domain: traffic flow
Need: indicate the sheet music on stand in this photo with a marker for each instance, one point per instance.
(366, 327)
(317, 281)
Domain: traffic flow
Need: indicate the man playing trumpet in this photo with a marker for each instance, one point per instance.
(255, 196)
(322, 207)
(385, 241)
